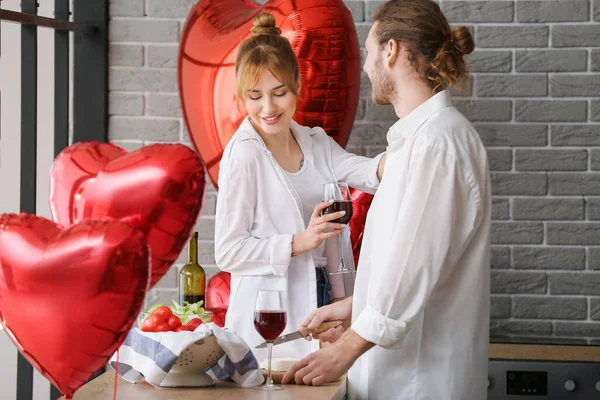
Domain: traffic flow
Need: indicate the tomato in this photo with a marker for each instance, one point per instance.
(150, 324)
(193, 324)
(163, 328)
(174, 322)
(163, 312)
(182, 328)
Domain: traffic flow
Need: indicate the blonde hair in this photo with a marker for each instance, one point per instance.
(266, 49)
(436, 50)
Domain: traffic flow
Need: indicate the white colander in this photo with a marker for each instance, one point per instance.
(188, 370)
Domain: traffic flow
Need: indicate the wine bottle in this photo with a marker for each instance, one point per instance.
(192, 278)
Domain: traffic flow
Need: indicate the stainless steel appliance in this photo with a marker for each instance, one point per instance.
(548, 380)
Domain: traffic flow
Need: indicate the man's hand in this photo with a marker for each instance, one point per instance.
(341, 310)
(323, 366)
(327, 365)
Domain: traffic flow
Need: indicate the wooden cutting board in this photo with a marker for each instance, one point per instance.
(278, 376)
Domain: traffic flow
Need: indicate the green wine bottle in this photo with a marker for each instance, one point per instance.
(192, 278)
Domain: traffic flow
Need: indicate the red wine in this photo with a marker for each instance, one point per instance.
(340, 205)
(269, 324)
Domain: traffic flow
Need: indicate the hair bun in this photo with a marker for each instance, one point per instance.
(462, 40)
(264, 24)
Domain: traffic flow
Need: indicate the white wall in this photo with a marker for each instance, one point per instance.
(10, 122)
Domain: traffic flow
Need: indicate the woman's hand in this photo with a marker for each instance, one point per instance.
(319, 229)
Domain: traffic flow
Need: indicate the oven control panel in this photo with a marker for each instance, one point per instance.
(548, 380)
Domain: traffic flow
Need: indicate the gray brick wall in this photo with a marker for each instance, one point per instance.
(534, 97)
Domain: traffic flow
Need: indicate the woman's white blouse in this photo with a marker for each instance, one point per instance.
(258, 211)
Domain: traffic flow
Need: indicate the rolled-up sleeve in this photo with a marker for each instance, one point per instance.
(236, 250)
(357, 171)
(439, 212)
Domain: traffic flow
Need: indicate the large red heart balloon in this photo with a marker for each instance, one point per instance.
(157, 189)
(68, 298)
(323, 36)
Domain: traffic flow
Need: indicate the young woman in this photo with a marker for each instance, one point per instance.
(269, 233)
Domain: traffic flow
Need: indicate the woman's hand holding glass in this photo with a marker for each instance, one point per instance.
(319, 229)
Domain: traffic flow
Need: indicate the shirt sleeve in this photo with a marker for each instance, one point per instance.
(439, 213)
(357, 171)
(236, 250)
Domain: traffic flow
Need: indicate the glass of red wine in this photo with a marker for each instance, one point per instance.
(340, 194)
(270, 320)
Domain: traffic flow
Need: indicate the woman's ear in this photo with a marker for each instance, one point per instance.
(299, 87)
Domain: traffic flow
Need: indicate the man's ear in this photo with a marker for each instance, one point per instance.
(391, 52)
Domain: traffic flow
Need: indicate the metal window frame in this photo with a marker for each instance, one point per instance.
(89, 25)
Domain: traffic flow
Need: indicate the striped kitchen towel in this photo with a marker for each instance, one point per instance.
(151, 355)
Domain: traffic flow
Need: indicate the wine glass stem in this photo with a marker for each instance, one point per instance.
(342, 266)
(269, 378)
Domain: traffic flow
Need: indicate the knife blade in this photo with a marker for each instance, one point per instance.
(302, 333)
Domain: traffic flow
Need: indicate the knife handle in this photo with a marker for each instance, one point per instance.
(321, 328)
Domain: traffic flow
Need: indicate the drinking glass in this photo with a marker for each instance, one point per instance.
(269, 320)
(340, 194)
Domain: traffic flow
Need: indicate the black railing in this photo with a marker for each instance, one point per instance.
(89, 27)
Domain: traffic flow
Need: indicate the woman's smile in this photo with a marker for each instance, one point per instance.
(272, 120)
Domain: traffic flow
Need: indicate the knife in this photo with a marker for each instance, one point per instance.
(302, 333)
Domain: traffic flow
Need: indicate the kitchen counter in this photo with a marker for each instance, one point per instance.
(101, 388)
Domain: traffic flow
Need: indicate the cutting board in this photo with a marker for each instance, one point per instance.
(278, 375)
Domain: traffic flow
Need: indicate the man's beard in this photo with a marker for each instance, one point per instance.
(384, 91)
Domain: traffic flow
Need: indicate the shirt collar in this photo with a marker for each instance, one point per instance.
(407, 126)
(301, 133)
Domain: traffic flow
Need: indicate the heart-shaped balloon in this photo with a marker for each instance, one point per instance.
(158, 189)
(68, 298)
(323, 36)
(361, 202)
(217, 296)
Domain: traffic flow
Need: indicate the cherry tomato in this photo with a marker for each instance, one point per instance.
(194, 323)
(182, 328)
(174, 322)
(150, 324)
(163, 312)
(163, 328)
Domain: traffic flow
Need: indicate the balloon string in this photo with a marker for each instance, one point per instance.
(116, 376)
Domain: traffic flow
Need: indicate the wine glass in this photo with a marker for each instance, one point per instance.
(270, 320)
(340, 194)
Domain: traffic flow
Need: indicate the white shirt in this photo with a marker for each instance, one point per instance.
(423, 284)
(258, 211)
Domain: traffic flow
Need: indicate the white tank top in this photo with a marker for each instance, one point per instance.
(309, 186)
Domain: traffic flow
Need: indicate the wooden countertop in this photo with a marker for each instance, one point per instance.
(544, 352)
(101, 388)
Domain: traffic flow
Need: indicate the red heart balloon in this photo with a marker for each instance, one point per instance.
(217, 296)
(323, 36)
(361, 202)
(157, 189)
(68, 298)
